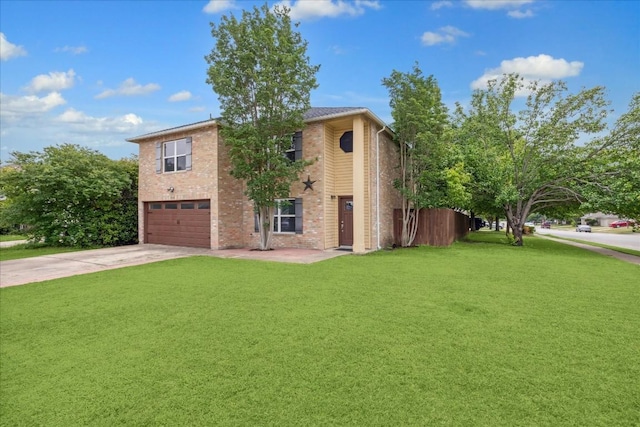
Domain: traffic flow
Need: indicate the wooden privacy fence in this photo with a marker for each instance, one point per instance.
(436, 227)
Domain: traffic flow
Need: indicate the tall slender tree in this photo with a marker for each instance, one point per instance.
(263, 77)
(421, 126)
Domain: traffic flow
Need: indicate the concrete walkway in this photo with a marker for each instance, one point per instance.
(47, 267)
(603, 251)
(11, 243)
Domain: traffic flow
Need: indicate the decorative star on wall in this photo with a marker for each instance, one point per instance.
(308, 184)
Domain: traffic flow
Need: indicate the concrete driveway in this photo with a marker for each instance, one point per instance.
(38, 269)
(47, 267)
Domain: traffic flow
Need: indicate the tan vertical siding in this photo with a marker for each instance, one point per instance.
(343, 172)
(343, 166)
(331, 205)
(367, 187)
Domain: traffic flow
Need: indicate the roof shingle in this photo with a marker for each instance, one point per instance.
(312, 115)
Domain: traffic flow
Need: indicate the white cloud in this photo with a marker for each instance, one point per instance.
(512, 7)
(446, 34)
(74, 50)
(216, 6)
(30, 123)
(338, 50)
(304, 9)
(129, 88)
(440, 4)
(79, 121)
(16, 107)
(497, 4)
(541, 67)
(183, 95)
(54, 81)
(9, 50)
(518, 14)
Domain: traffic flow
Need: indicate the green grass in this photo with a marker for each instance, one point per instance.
(11, 237)
(28, 250)
(480, 333)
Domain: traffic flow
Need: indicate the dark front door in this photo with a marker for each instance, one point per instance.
(345, 216)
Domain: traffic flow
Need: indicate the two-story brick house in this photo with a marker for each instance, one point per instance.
(346, 198)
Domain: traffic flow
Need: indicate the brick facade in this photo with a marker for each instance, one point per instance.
(200, 183)
(232, 214)
(313, 225)
(389, 196)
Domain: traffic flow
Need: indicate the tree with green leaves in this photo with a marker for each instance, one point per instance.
(69, 195)
(533, 159)
(616, 163)
(429, 176)
(261, 73)
(484, 160)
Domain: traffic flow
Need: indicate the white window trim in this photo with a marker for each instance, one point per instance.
(174, 157)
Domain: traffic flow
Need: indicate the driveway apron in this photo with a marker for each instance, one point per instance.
(38, 269)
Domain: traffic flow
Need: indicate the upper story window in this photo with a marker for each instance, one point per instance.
(173, 156)
(294, 152)
(291, 152)
(346, 142)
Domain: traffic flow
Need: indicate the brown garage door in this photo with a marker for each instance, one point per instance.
(178, 223)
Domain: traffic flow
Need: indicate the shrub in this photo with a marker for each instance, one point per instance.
(73, 196)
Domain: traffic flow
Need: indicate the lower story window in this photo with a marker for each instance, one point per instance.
(287, 217)
(284, 218)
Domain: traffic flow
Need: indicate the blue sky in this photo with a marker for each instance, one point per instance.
(96, 73)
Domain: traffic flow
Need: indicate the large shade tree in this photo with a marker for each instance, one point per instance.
(533, 156)
(616, 163)
(429, 175)
(69, 195)
(262, 75)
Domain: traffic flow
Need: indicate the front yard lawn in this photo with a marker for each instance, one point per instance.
(29, 250)
(481, 333)
(11, 237)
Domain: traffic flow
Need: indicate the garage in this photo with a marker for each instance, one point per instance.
(178, 223)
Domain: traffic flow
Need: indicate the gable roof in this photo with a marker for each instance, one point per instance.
(191, 126)
(323, 113)
(314, 114)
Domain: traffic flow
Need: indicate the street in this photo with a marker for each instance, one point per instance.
(628, 241)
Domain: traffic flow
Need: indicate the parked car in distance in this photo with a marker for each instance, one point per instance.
(583, 228)
(620, 223)
(546, 224)
(479, 223)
